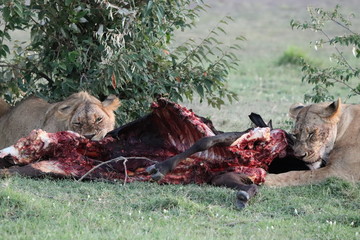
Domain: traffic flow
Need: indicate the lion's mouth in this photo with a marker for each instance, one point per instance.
(314, 165)
(309, 157)
(97, 137)
(312, 161)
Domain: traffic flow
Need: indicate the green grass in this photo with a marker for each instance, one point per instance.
(64, 209)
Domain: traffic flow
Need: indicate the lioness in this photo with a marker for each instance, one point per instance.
(81, 113)
(4, 107)
(328, 132)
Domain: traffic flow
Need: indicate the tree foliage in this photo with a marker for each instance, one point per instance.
(345, 69)
(112, 47)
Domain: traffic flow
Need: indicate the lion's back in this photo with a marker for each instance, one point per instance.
(4, 107)
(20, 120)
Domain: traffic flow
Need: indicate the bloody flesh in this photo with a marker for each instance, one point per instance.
(168, 130)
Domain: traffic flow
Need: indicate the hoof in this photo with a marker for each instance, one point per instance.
(156, 175)
(152, 169)
(242, 196)
(240, 204)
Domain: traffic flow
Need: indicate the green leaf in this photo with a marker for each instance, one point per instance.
(72, 56)
(74, 28)
(200, 90)
(68, 2)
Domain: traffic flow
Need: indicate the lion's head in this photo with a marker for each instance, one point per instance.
(315, 131)
(85, 114)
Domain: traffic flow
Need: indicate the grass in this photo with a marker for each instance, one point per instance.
(49, 209)
(64, 209)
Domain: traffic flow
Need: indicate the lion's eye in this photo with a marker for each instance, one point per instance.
(296, 134)
(99, 119)
(78, 124)
(311, 135)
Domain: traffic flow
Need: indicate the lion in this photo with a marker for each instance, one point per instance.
(4, 107)
(80, 112)
(324, 132)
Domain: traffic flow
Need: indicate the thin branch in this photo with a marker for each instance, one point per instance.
(43, 75)
(342, 25)
(120, 158)
(338, 51)
(37, 72)
(125, 171)
(347, 85)
(211, 32)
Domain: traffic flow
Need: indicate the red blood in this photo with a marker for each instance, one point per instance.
(167, 131)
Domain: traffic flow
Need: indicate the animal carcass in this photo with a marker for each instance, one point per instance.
(126, 153)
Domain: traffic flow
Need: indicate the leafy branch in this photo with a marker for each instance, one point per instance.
(113, 47)
(343, 72)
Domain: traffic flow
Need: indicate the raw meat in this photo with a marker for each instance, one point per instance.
(168, 130)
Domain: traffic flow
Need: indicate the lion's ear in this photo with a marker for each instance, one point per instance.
(295, 109)
(332, 112)
(65, 110)
(111, 103)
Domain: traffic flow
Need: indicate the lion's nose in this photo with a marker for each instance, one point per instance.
(89, 136)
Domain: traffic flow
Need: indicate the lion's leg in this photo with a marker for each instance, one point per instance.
(297, 178)
(159, 170)
(238, 181)
(37, 169)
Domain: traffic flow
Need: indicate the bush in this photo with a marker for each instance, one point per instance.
(112, 47)
(344, 69)
(292, 56)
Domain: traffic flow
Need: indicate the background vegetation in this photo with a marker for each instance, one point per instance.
(262, 85)
(64, 209)
(112, 47)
